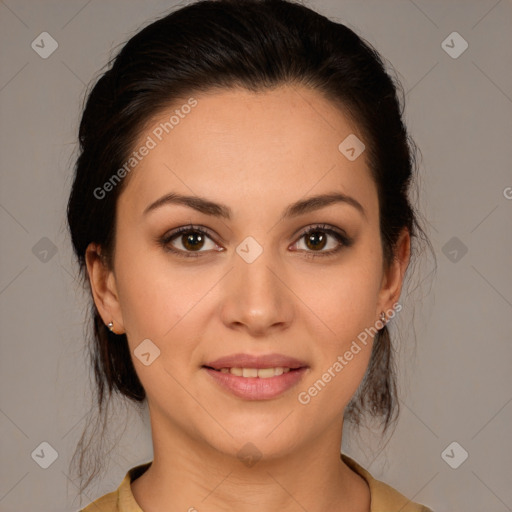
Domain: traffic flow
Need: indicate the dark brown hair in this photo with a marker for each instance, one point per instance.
(257, 45)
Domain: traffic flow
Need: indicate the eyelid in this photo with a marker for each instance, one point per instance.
(322, 227)
(344, 241)
(168, 237)
(341, 236)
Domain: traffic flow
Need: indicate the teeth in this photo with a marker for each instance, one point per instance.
(262, 373)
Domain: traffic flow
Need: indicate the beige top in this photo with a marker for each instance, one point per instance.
(383, 497)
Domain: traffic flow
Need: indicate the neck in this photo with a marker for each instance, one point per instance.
(187, 474)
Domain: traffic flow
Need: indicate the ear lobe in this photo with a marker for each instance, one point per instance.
(393, 277)
(103, 287)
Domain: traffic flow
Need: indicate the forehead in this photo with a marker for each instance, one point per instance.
(249, 150)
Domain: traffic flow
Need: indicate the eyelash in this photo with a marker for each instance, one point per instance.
(344, 241)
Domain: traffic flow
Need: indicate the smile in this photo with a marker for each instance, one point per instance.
(256, 383)
(262, 373)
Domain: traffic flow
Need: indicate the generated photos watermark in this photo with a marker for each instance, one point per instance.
(150, 143)
(304, 397)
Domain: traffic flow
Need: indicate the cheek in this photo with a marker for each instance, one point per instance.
(151, 298)
(343, 327)
(342, 300)
(159, 300)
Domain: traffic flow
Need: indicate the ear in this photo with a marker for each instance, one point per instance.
(103, 287)
(393, 277)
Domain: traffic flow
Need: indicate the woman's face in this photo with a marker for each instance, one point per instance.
(254, 284)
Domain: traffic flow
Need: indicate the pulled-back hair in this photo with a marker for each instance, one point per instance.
(257, 45)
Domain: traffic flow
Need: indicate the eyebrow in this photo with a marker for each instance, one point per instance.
(220, 210)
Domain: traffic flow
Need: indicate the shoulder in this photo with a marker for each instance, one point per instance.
(120, 500)
(107, 503)
(384, 498)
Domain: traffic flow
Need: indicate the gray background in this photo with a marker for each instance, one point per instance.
(455, 384)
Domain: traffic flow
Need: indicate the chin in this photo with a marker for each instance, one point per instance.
(261, 442)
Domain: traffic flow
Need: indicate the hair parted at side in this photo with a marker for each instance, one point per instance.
(222, 44)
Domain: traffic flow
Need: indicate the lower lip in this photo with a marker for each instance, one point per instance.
(254, 388)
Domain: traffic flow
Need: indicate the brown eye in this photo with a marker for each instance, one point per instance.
(317, 238)
(193, 241)
(187, 240)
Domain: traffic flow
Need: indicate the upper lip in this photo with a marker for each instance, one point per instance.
(250, 361)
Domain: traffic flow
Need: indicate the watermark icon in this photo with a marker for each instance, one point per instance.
(454, 45)
(150, 143)
(249, 249)
(507, 192)
(249, 454)
(44, 455)
(304, 397)
(454, 455)
(454, 249)
(146, 352)
(44, 250)
(351, 147)
(44, 45)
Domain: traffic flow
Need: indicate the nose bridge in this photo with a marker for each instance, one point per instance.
(255, 297)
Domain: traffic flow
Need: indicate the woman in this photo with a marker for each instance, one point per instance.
(240, 210)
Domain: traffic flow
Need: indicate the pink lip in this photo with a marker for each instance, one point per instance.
(254, 388)
(249, 361)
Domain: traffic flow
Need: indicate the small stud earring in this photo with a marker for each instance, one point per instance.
(383, 317)
(111, 326)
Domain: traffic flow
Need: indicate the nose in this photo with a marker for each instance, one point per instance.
(256, 297)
